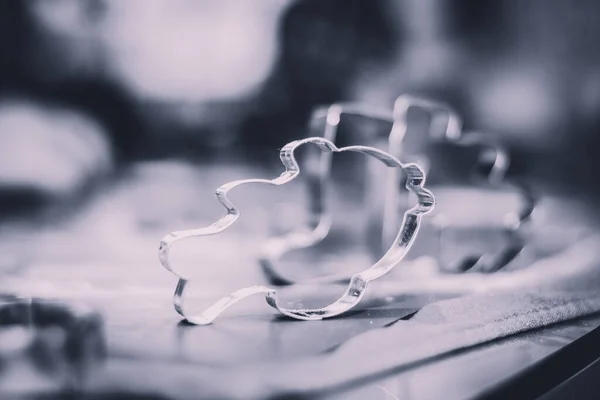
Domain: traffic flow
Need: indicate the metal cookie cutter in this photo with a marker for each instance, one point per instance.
(384, 213)
(488, 163)
(53, 347)
(409, 227)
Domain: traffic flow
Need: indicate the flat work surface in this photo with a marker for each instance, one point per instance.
(106, 256)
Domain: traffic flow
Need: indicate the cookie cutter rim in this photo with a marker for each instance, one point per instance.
(358, 284)
(515, 222)
(454, 134)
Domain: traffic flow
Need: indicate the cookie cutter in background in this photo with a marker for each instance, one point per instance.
(408, 229)
(60, 344)
(445, 127)
(489, 172)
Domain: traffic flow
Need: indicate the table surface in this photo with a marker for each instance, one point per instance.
(106, 256)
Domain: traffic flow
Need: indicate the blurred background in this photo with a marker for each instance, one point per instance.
(118, 119)
(146, 107)
(89, 87)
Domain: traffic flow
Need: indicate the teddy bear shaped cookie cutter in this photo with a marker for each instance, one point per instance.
(357, 286)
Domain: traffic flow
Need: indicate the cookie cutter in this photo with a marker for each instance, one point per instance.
(32, 326)
(415, 181)
(489, 171)
(445, 126)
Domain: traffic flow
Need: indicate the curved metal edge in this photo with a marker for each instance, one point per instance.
(515, 223)
(442, 115)
(276, 247)
(446, 116)
(358, 284)
(452, 130)
(211, 313)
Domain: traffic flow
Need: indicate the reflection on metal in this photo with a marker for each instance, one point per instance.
(358, 283)
(445, 127)
(488, 171)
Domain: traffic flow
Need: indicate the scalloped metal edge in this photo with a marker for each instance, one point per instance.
(453, 133)
(275, 247)
(358, 283)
